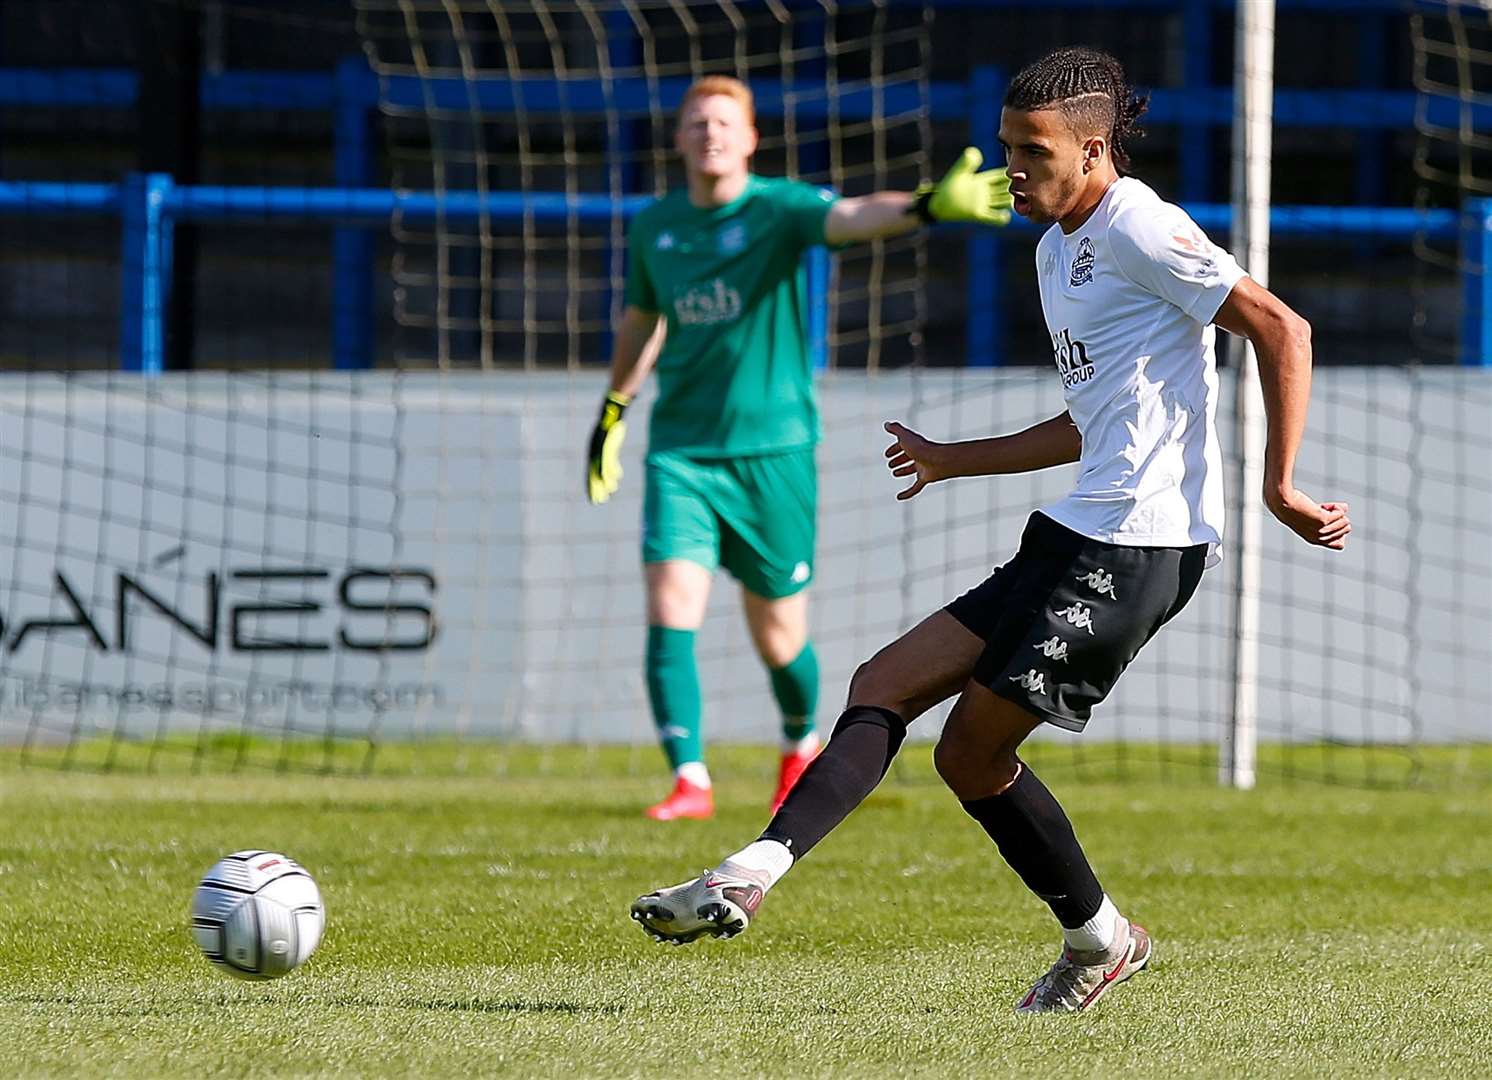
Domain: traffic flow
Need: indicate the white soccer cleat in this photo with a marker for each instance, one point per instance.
(1078, 979)
(718, 903)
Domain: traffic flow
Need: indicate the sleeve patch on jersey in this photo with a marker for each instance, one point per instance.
(1190, 241)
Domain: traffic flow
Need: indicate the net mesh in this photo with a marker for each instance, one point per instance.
(574, 101)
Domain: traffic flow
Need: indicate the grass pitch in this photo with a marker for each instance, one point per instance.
(477, 925)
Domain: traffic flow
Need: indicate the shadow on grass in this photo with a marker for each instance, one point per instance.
(102, 1007)
(478, 1005)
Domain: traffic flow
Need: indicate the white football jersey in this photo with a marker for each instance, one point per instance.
(1129, 300)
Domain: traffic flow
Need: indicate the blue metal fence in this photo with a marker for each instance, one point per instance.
(150, 205)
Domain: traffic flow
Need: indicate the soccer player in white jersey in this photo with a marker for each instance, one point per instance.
(1131, 290)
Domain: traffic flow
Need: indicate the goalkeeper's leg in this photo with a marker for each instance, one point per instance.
(779, 630)
(677, 593)
(927, 665)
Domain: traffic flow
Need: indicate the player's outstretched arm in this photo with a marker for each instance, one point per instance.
(1051, 442)
(638, 340)
(1282, 340)
(964, 194)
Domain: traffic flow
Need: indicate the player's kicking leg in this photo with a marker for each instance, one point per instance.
(922, 668)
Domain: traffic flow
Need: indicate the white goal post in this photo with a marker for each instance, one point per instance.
(1253, 114)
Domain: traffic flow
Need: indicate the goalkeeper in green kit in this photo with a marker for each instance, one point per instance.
(715, 300)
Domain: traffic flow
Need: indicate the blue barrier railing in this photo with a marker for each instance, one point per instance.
(1476, 283)
(375, 205)
(150, 205)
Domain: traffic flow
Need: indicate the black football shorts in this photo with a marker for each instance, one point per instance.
(1063, 618)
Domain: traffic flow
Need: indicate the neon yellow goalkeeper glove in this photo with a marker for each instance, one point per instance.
(603, 473)
(966, 194)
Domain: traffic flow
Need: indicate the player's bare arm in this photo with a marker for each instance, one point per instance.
(1041, 446)
(963, 194)
(867, 217)
(1282, 340)
(637, 342)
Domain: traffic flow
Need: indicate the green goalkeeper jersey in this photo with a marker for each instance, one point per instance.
(735, 376)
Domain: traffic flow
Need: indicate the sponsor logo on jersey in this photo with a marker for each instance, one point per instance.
(1082, 264)
(1032, 680)
(1079, 615)
(1101, 582)
(1072, 359)
(707, 304)
(732, 238)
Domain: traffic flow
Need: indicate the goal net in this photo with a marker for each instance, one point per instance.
(298, 567)
(567, 107)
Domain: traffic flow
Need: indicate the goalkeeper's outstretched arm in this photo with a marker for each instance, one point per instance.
(964, 194)
(638, 340)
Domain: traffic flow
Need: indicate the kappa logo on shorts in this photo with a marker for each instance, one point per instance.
(1079, 614)
(1053, 648)
(1101, 582)
(801, 572)
(1033, 680)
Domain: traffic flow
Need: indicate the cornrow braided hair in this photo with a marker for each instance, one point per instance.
(1090, 88)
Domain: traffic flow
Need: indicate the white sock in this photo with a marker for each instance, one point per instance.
(808, 744)
(766, 859)
(1097, 933)
(694, 772)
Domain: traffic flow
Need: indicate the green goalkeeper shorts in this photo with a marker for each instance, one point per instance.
(753, 515)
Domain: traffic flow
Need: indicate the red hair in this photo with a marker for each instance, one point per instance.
(724, 85)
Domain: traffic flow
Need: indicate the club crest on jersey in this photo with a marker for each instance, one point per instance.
(731, 239)
(1082, 264)
(665, 242)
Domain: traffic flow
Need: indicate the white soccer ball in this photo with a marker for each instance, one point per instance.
(257, 915)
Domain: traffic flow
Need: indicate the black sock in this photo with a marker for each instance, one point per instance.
(1033, 834)
(852, 764)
